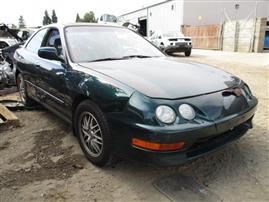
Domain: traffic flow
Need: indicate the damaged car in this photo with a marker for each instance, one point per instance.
(9, 42)
(124, 97)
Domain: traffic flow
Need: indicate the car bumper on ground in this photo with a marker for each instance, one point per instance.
(199, 139)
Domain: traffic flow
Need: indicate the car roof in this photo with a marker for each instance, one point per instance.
(82, 24)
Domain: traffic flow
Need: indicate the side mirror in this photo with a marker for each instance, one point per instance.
(49, 53)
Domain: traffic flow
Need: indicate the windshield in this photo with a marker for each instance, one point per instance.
(92, 43)
(173, 34)
(111, 18)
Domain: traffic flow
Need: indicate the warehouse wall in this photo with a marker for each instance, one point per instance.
(133, 17)
(205, 12)
(244, 35)
(204, 36)
(165, 17)
(260, 34)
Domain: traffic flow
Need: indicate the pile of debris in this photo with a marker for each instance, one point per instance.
(9, 43)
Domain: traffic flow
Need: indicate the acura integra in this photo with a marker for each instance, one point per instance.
(124, 96)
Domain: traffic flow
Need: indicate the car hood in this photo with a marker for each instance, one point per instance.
(9, 41)
(165, 77)
(5, 28)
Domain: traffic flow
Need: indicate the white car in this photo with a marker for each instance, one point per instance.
(108, 19)
(172, 42)
(6, 42)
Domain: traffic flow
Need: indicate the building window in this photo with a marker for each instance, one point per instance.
(150, 14)
(172, 7)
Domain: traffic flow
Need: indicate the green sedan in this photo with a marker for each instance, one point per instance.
(123, 97)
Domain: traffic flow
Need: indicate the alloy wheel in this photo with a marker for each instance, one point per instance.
(92, 137)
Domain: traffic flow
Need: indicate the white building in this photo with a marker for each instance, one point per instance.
(171, 14)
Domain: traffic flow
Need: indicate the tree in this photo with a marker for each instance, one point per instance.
(46, 18)
(21, 22)
(54, 17)
(89, 17)
(78, 19)
(13, 26)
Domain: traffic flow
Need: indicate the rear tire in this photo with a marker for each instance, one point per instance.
(93, 133)
(25, 99)
(188, 53)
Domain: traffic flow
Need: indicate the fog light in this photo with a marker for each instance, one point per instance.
(186, 111)
(157, 146)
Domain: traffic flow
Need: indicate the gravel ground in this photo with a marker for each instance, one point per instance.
(42, 161)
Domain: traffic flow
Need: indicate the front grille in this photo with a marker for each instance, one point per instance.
(172, 39)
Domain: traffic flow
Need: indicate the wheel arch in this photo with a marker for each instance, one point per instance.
(77, 100)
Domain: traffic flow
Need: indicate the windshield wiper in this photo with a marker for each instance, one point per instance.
(122, 58)
(107, 59)
(136, 56)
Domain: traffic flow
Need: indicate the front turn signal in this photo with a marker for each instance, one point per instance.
(157, 146)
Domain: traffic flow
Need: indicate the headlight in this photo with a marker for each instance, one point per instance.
(186, 111)
(165, 114)
(247, 91)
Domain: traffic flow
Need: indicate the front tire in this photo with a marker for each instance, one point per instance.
(92, 131)
(188, 53)
(25, 99)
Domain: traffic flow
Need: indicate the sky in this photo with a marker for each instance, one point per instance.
(66, 10)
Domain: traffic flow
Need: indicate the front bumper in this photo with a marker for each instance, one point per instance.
(178, 48)
(200, 138)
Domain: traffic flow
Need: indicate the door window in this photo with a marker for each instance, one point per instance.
(54, 40)
(36, 41)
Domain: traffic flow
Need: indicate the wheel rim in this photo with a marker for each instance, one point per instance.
(91, 134)
(22, 89)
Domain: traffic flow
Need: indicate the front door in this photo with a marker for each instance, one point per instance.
(52, 76)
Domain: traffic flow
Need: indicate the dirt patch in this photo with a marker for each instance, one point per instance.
(4, 145)
(47, 147)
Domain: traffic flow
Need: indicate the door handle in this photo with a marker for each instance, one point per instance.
(59, 73)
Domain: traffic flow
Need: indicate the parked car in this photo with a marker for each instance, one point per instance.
(172, 42)
(108, 19)
(123, 96)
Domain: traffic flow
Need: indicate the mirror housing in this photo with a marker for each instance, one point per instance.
(49, 53)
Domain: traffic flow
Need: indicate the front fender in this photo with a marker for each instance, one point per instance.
(109, 94)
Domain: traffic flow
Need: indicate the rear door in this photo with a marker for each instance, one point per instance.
(27, 61)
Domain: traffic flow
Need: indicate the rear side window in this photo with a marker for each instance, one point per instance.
(36, 41)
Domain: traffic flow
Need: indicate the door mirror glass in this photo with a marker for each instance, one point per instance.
(49, 53)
